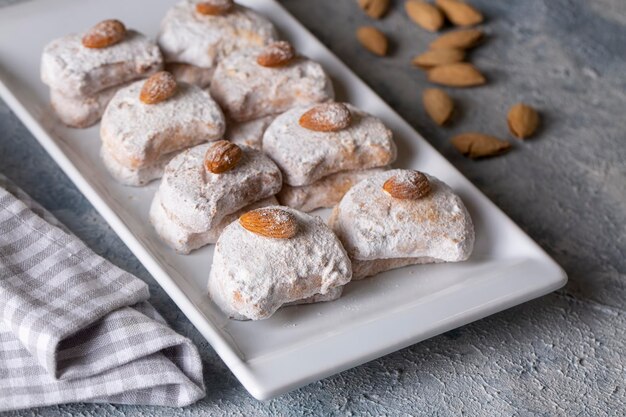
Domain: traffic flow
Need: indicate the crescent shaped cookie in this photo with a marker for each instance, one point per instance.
(138, 136)
(191, 204)
(252, 275)
(305, 156)
(188, 37)
(382, 232)
(247, 90)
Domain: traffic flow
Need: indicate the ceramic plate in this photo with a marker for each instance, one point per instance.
(301, 344)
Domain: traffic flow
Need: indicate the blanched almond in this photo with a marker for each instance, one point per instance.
(374, 8)
(407, 185)
(458, 39)
(479, 145)
(271, 222)
(424, 14)
(326, 117)
(438, 105)
(159, 87)
(106, 33)
(523, 120)
(460, 74)
(373, 40)
(222, 156)
(460, 13)
(277, 54)
(438, 57)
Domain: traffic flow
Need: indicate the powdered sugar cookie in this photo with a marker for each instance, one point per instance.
(137, 134)
(193, 202)
(190, 36)
(402, 217)
(253, 275)
(81, 111)
(307, 154)
(247, 90)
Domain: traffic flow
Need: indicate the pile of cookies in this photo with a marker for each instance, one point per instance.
(246, 136)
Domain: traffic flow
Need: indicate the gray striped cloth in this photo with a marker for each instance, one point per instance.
(75, 328)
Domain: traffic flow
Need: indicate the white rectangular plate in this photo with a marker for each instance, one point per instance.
(298, 345)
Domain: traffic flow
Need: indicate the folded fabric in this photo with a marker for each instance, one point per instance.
(75, 328)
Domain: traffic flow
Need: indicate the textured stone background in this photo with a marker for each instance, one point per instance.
(563, 354)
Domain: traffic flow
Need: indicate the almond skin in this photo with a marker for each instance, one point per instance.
(222, 156)
(159, 87)
(326, 117)
(460, 13)
(460, 74)
(106, 33)
(271, 222)
(374, 8)
(438, 105)
(214, 7)
(424, 14)
(436, 57)
(458, 39)
(373, 40)
(276, 54)
(410, 185)
(523, 120)
(479, 145)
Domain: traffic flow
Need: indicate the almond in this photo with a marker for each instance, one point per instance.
(222, 156)
(159, 87)
(478, 145)
(438, 105)
(214, 7)
(276, 54)
(373, 40)
(460, 13)
(424, 14)
(374, 8)
(326, 117)
(460, 74)
(106, 33)
(523, 120)
(438, 57)
(458, 39)
(408, 185)
(272, 222)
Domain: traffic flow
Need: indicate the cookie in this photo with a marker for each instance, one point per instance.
(305, 156)
(139, 135)
(192, 202)
(424, 222)
(252, 275)
(247, 90)
(81, 111)
(249, 133)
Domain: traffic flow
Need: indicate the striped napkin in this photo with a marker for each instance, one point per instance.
(75, 328)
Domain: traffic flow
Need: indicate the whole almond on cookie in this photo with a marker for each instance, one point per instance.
(458, 39)
(436, 57)
(479, 145)
(214, 7)
(424, 14)
(271, 222)
(106, 33)
(523, 120)
(326, 117)
(276, 54)
(222, 156)
(438, 105)
(373, 40)
(374, 8)
(460, 13)
(159, 87)
(408, 185)
(460, 74)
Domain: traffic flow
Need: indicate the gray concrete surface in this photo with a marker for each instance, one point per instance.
(563, 354)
